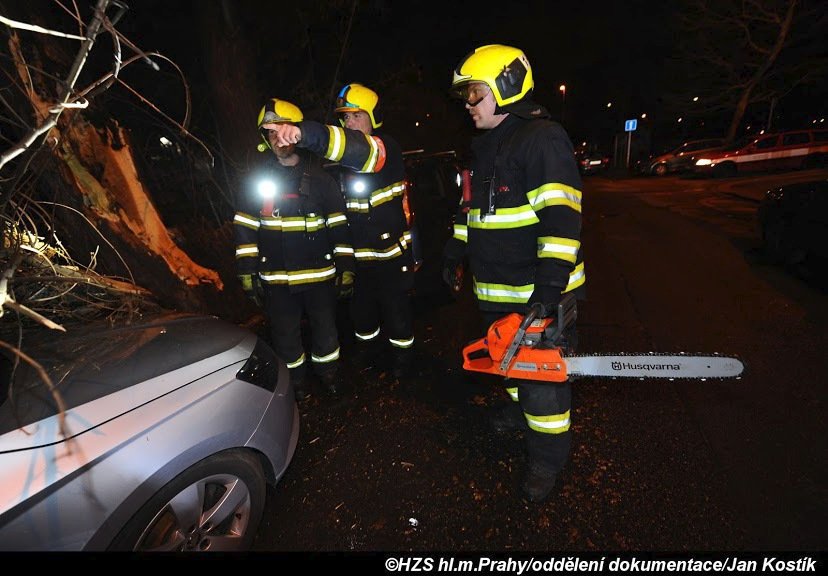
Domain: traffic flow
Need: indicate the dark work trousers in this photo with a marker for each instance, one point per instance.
(546, 407)
(382, 299)
(285, 310)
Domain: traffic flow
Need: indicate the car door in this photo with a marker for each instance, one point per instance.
(759, 155)
(793, 151)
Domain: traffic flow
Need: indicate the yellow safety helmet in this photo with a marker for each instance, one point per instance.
(275, 112)
(504, 69)
(358, 97)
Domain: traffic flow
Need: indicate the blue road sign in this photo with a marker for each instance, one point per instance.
(630, 125)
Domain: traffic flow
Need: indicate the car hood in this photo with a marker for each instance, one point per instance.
(150, 359)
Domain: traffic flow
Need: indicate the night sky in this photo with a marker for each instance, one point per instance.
(603, 51)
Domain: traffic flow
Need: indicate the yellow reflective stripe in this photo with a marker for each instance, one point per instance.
(402, 343)
(246, 220)
(513, 392)
(298, 276)
(576, 278)
(336, 144)
(461, 232)
(292, 223)
(314, 225)
(336, 219)
(272, 223)
(327, 358)
(503, 218)
(520, 294)
(503, 292)
(370, 336)
(385, 194)
(369, 254)
(358, 205)
(243, 250)
(280, 277)
(297, 363)
(343, 250)
(554, 424)
(371, 162)
(557, 247)
(555, 194)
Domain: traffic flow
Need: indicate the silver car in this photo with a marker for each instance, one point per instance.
(156, 436)
(682, 158)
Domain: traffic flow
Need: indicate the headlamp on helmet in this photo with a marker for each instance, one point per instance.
(504, 69)
(354, 97)
(276, 112)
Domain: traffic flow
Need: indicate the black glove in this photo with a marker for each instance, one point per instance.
(345, 284)
(450, 275)
(548, 297)
(250, 285)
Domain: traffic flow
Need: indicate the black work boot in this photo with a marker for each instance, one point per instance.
(547, 455)
(367, 355)
(538, 483)
(331, 383)
(403, 363)
(301, 389)
(508, 418)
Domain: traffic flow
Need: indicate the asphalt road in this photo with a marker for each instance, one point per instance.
(739, 464)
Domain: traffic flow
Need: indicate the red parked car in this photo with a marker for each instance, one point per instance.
(782, 150)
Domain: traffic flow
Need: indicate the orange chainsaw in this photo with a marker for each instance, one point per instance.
(528, 347)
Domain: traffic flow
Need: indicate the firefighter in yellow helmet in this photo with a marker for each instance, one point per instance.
(521, 233)
(374, 189)
(293, 243)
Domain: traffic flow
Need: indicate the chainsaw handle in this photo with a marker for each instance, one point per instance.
(567, 313)
(534, 311)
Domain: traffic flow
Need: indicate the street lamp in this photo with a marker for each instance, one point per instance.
(562, 88)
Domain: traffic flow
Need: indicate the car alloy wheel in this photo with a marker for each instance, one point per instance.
(216, 505)
(660, 169)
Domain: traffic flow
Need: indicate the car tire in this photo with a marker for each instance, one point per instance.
(225, 494)
(660, 169)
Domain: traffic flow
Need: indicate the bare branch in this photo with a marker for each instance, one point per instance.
(74, 72)
(46, 380)
(34, 28)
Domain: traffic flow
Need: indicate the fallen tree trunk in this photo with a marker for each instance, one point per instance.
(100, 207)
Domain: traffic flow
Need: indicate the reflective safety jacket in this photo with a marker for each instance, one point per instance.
(374, 189)
(522, 227)
(301, 236)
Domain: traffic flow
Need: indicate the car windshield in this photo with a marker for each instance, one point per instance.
(88, 365)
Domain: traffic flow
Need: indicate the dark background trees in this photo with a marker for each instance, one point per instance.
(751, 58)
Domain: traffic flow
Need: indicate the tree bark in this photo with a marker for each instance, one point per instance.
(99, 179)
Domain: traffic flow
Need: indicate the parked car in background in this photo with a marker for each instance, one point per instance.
(780, 151)
(793, 223)
(591, 161)
(158, 435)
(682, 158)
